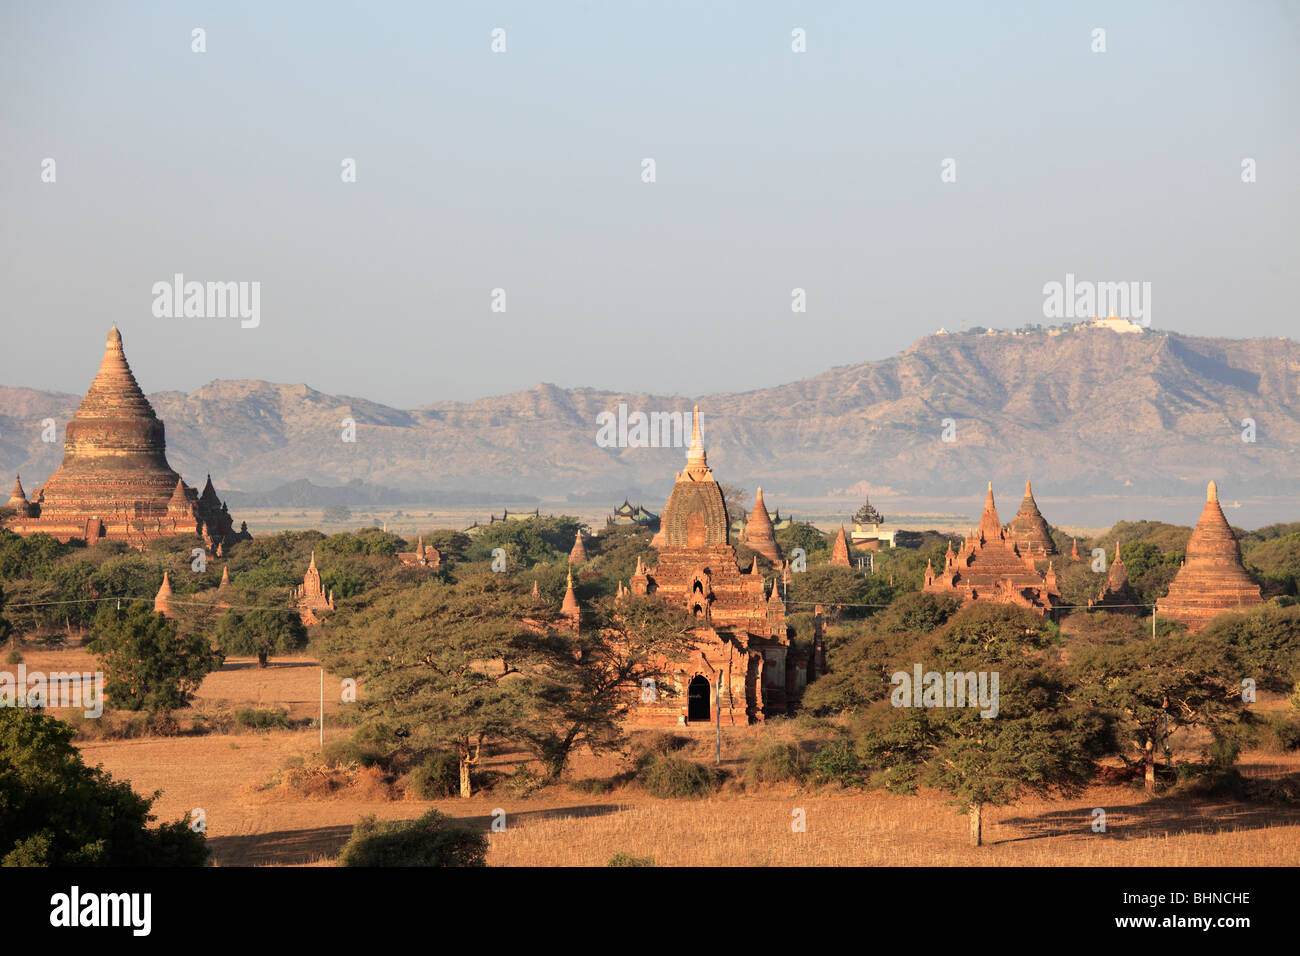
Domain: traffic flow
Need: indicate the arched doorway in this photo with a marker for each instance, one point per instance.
(697, 699)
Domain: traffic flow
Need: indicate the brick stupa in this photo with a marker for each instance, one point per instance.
(741, 632)
(1212, 579)
(989, 567)
(759, 534)
(1117, 594)
(840, 551)
(578, 553)
(114, 481)
(1028, 529)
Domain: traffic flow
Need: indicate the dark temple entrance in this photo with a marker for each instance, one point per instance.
(697, 699)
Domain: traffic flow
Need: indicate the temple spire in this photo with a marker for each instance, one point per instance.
(569, 608)
(161, 599)
(840, 551)
(697, 461)
(578, 553)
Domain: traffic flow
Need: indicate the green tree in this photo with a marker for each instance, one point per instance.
(800, 534)
(588, 682)
(263, 632)
(436, 661)
(451, 544)
(336, 514)
(526, 541)
(1153, 687)
(56, 811)
(147, 665)
(1266, 642)
(342, 582)
(1036, 742)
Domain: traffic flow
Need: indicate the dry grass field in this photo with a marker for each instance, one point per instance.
(249, 823)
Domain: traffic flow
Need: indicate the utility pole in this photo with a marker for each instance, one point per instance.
(322, 710)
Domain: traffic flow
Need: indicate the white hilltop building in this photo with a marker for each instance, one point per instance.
(1124, 326)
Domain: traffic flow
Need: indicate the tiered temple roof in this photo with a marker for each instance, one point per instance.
(114, 481)
(1029, 530)
(1117, 594)
(629, 515)
(742, 631)
(989, 567)
(310, 596)
(1212, 579)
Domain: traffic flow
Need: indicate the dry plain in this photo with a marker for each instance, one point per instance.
(251, 823)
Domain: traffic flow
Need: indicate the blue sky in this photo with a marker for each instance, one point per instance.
(521, 171)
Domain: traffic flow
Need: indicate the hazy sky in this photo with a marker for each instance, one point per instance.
(522, 170)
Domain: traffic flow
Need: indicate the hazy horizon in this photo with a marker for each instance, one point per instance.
(521, 170)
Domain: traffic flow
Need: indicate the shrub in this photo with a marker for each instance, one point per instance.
(432, 840)
(1223, 751)
(437, 776)
(1279, 733)
(627, 859)
(256, 719)
(14, 656)
(836, 762)
(593, 785)
(661, 743)
(343, 753)
(668, 776)
(523, 782)
(775, 763)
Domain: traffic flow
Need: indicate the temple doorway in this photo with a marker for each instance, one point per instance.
(697, 700)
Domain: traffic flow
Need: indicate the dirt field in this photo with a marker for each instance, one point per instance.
(226, 775)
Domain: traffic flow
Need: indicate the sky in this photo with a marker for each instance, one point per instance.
(522, 171)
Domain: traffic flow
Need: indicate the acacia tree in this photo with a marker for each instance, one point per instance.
(1036, 742)
(437, 662)
(147, 664)
(1155, 686)
(589, 681)
(1266, 641)
(263, 632)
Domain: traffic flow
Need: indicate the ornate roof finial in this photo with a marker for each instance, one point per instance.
(696, 458)
(1212, 492)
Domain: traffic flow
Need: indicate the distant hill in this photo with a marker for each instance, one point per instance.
(1083, 413)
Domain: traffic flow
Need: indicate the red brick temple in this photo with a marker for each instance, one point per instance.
(741, 636)
(990, 567)
(759, 535)
(1212, 579)
(1117, 594)
(114, 481)
(1028, 529)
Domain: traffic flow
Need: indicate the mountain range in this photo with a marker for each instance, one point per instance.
(1085, 412)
